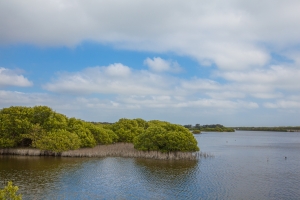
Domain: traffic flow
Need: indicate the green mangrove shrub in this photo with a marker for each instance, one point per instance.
(58, 141)
(166, 137)
(41, 127)
(127, 129)
(10, 192)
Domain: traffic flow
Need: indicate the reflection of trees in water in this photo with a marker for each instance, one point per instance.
(35, 175)
(40, 177)
(167, 175)
(167, 166)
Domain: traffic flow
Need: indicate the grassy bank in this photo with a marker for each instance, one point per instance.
(113, 150)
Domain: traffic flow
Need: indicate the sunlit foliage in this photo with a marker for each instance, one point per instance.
(165, 137)
(10, 192)
(128, 129)
(41, 127)
(58, 141)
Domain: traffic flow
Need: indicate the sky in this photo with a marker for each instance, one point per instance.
(229, 62)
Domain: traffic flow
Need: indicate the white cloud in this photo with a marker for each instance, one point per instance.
(117, 70)
(13, 78)
(163, 107)
(231, 34)
(9, 98)
(264, 83)
(117, 79)
(158, 64)
(236, 57)
(294, 55)
(284, 104)
(226, 95)
(267, 95)
(185, 102)
(149, 101)
(199, 85)
(113, 79)
(224, 104)
(294, 97)
(140, 89)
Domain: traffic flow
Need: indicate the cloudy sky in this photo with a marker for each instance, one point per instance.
(231, 62)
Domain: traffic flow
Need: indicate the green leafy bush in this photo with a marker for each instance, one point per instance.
(10, 192)
(166, 137)
(41, 127)
(58, 141)
(127, 129)
(102, 135)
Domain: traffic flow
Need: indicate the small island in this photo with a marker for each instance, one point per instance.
(197, 129)
(41, 131)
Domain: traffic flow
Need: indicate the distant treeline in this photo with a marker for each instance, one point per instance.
(42, 128)
(279, 128)
(209, 128)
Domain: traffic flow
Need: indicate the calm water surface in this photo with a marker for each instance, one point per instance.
(246, 165)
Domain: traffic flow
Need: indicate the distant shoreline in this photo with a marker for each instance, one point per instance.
(268, 129)
(112, 150)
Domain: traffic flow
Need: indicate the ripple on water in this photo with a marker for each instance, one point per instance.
(245, 167)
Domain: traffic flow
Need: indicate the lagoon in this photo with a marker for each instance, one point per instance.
(246, 165)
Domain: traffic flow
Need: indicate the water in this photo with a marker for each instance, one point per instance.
(246, 165)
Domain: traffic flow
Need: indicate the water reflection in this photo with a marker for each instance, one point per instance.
(166, 179)
(35, 176)
(99, 178)
(165, 170)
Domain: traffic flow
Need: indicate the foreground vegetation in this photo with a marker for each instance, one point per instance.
(42, 128)
(10, 192)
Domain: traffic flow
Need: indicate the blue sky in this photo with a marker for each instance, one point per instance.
(230, 62)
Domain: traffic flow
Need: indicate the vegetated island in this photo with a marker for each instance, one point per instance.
(41, 131)
(197, 129)
(276, 129)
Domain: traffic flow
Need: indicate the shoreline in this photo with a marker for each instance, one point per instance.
(126, 150)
